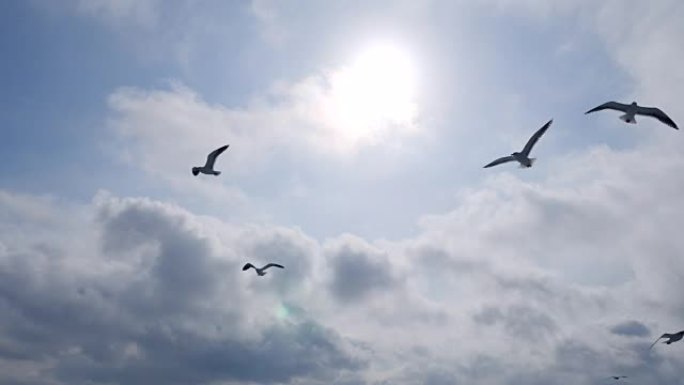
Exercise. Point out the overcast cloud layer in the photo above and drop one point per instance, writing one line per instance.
(405, 262)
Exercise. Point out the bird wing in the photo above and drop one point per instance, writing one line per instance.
(658, 114)
(247, 266)
(272, 265)
(504, 159)
(211, 158)
(659, 338)
(533, 140)
(609, 106)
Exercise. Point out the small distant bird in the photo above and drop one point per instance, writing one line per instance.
(261, 271)
(671, 338)
(208, 167)
(523, 156)
(617, 377)
(633, 109)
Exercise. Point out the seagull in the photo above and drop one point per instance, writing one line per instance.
(261, 271)
(633, 109)
(523, 156)
(208, 167)
(616, 378)
(671, 338)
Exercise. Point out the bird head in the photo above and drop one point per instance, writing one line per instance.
(195, 171)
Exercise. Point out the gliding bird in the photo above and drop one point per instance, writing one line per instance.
(523, 156)
(208, 167)
(633, 109)
(261, 271)
(617, 377)
(671, 338)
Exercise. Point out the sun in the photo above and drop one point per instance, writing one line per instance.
(375, 93)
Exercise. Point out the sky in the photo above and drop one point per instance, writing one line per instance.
(358, 133)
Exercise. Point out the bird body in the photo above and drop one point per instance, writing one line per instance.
(631, 110)
(208, 167)
(523, 157)
(617, 377)
(671, 337)
(261, 271)
(524, 160)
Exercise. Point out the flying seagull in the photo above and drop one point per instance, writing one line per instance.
(617, 377)
(633, 109)
(671, 338)
(208, 167)
(261, 271)
(523, 156)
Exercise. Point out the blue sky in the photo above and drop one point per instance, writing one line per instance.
(362, 175)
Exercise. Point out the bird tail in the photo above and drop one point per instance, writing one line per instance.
(217, 173)
(628, 119)
(531, 163)
(195, 171)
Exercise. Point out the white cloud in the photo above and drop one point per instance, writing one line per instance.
(166, 132)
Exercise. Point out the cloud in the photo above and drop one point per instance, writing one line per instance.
(148, 283)
(358, 270)
(156, 289)
(631, 329)
(520, 321)
(166, 132)
(302, 116)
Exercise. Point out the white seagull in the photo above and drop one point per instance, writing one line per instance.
(523, 157)
(261, 271)
(208, 167)
(633, 109)
(671, 338)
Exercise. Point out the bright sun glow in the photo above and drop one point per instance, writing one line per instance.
(375, 93)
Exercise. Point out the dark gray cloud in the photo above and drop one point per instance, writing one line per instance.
(519, 321)
(151, 305)
(358, 270)
(630, 329)
(278, 356)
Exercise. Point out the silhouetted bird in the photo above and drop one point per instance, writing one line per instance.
(523, 156)
(671, 338)
(633, 109)
(208, 167)
(261, 271)
(617, 377)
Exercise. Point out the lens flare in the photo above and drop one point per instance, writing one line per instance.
(282, 312)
